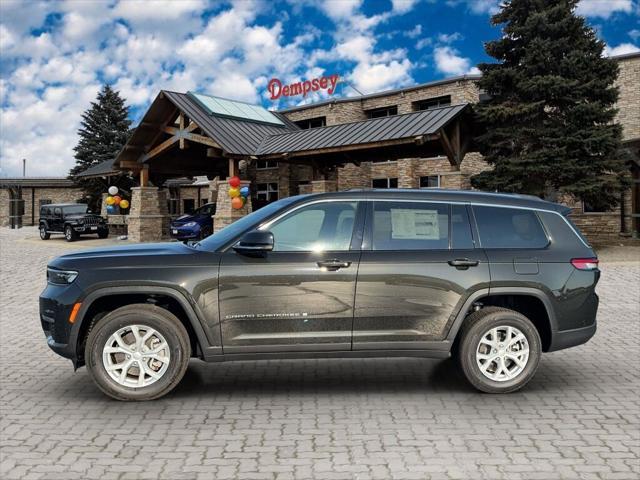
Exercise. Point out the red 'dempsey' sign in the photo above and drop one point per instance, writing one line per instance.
(277, 90)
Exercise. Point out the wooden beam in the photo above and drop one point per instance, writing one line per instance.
(449, 149)
(158, 149)
(144, 176)
(181, 125)
(234, 167)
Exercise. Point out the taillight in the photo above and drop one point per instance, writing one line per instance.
(585, 263)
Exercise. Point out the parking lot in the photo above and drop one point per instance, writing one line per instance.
(324, 419)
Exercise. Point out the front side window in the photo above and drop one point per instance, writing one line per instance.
(509, 228)
(410, 226)
(326, 226)
(80, 209)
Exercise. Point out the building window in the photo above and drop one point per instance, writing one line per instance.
(188, 205)
(589, 208)
(266, 164)
(430, 181)
(382, 112)
(267, 192)
(384, 183)
(312, 123)
(432, 103)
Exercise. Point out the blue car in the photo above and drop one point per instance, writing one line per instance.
(194, 226)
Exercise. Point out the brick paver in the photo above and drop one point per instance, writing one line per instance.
(328, 419)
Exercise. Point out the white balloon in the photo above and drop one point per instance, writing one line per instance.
(113, 190)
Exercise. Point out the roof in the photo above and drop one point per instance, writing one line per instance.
(102, 169)
(43, 182)
(396, 127)
(234, 135)
(385, 93)
(446, 195)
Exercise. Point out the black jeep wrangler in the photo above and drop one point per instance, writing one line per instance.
(70, 219)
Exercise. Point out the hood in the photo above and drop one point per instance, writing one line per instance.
(125, 255)
(78, 216)
(185, 218)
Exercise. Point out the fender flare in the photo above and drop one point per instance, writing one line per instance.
(487, 292)
(192, 316)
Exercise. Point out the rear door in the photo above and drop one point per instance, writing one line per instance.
(300, 296)
(419, 265)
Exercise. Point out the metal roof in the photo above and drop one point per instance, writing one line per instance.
(396, 127)
(235, 136)
(45, 182)
(102, 169)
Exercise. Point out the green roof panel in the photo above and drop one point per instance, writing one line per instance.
(235, 109)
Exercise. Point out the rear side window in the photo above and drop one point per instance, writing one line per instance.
(410, 226)
(509, 228)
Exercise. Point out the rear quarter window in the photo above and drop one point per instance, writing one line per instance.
(500, 227)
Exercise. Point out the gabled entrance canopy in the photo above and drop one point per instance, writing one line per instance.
(194, 134)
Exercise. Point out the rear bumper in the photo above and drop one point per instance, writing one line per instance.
(571, 338)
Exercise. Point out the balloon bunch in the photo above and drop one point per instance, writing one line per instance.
(238, 195)
(114, 200)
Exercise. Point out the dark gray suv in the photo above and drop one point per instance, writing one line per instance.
(492, 279)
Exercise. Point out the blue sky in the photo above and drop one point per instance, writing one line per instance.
(56, 54)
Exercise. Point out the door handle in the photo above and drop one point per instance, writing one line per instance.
(333, 264)
(463, 263)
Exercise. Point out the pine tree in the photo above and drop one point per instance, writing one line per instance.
(103, 132)
(548, 126)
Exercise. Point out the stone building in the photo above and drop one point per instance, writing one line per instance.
(186, 145)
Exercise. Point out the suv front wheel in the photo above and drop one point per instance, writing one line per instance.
(70, 234)
(137, 352)
(499, 350)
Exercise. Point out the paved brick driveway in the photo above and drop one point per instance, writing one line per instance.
(404, 419)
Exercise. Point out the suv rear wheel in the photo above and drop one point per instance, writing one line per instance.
(70, 234)
(137, 352)
(499, 350)
(44, 235)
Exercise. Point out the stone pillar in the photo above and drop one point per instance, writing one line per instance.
(213, 190)
(407, 177)
(305, 188)
(225, 213)
(148, 217)
(103, 205)
(322, 186)
(284, 180)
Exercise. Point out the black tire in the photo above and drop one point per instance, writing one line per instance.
(103, 233)
(475, 327)
(44, 235)
(70, 234)
(160, 320)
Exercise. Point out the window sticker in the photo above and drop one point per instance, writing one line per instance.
(412, 224)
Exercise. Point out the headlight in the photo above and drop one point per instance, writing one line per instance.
(60, 277)
(190, 224)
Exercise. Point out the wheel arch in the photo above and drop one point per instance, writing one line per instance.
(103, 300)
(531, 302)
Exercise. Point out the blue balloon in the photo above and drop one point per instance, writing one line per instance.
(244, 191)
(111, 209)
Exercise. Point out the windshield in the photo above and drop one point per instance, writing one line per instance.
(228, 233)
(79, 209)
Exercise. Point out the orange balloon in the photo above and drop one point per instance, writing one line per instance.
(236, 203)
(117, 199)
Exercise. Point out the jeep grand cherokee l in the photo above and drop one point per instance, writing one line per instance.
(492, 279)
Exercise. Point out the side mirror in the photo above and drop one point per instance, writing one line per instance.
(257, 242)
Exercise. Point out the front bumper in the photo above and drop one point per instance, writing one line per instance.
(56, 303)
(182, 233)
(90, 228)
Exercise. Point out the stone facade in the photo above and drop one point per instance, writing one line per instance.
(33, 196)
(225, 214)
(629, 96)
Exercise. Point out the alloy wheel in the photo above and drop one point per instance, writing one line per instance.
(502, 353)
(136, 356)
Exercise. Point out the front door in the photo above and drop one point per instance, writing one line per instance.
(418, 266)
(300, 296)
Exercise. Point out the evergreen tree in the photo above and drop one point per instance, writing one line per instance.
(548, 126)
(103, 132)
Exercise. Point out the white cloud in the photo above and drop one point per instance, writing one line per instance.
(622, 49)
(449, 37)
(478, 7)
(449, 61)
(603, 8)
(634, 34)
(382, 76)
(339, 9)
(424, 42)
(156, 9)
(403, 6)
(414, 32)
